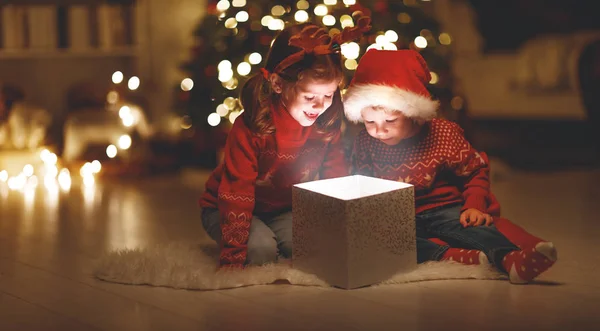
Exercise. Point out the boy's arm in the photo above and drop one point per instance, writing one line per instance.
(236, 194)
(334, 165)
(467, 163)
(361, 157)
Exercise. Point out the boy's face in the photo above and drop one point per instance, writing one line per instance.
(389, 127)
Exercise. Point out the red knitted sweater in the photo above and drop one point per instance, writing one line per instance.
(257, 175)
(438, 161)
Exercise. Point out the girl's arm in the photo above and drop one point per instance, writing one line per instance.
(467, 163)
(334, 165)
(361, 156)
(236, 194)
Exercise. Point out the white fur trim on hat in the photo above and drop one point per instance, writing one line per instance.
(409, 103)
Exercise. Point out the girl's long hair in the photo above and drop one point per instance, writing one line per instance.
(257, 96)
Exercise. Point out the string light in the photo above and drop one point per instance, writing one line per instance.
(420, 42)
(187, 84)
(133, 83)
(117, 77)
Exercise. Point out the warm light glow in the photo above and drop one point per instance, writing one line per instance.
(266, 20)
(328, 20)
(346, 21)
(421, 42)
(233, 116)
(238, 3)
(124, 141)
(112, 97)
(351, 64)
(277, 10)
(301, 16)
(64, 179)
(225, 75)
(242, 16)
(85, 170)
(381, 39)
(276, 24)
(89, 181)
(187, 84)
(230, 103)
(457, 103)
(352, 187)
(321, 10)
(330, 2)
(255, 58)
(48, 157)
(133, 83)
(44, 154)
(28, 170)
(445, 39)
(223, 5)
(349, 2)
(390, 47)
(302, 4)
(117, 77)
(434, 78)
(111, 151)
(96, 166)
(222, 110)
(3, 176)
(51, 171)
(244, 68)
(391, 36)
(32, 182)
(214, 119)
(350, 50)
(224, 65)
(404, 18)
(231, 23)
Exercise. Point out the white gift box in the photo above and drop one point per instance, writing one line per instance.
(354, 231)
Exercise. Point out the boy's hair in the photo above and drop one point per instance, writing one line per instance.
(257, 95)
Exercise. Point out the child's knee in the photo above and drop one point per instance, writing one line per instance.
(261, 250)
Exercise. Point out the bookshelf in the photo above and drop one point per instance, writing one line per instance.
(40, 29)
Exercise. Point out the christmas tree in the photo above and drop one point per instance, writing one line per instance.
(233, 38)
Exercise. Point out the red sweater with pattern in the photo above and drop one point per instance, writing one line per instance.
(441, 164)
(257, 175)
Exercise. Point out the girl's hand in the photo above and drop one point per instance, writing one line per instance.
(473, 217)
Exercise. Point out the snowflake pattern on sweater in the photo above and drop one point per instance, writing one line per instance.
(438, 161)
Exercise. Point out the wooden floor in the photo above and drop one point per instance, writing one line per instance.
(49, 242)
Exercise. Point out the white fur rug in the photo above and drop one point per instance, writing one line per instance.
(193, 266)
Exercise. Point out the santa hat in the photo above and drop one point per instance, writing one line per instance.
(392, 79)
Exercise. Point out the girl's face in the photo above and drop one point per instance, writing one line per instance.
(306, 99)
(389, 127)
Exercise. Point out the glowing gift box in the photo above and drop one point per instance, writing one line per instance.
(354, 231)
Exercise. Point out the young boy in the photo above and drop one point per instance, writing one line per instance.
(403, 141)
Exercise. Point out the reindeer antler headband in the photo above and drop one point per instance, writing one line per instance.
(315, 40)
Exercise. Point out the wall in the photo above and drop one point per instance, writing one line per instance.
(165, 32)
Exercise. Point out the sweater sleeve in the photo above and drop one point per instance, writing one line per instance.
(334, 164)
(468, 164)
(236, 194)
(361, 157)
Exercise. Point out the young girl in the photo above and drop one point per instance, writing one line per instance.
(288, 133)
(404, 141)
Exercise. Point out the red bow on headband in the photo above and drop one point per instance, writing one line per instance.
(316, 40)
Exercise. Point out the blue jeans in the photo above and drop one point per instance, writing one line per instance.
(443, 223)
(270, 235)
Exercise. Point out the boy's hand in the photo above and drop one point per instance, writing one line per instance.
(473, 217)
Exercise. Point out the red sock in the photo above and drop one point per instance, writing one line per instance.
(465, 256)
(524, 265)
(516, 234)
